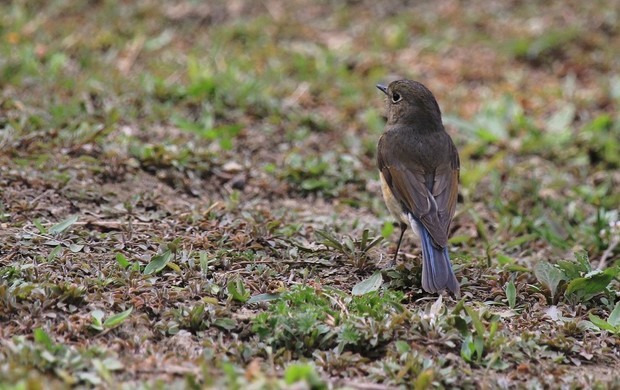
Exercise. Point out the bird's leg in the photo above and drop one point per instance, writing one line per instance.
(403, 228)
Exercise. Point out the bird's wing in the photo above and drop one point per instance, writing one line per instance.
(445, 188)
(430, 197)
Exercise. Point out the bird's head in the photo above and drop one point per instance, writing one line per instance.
(411, 103)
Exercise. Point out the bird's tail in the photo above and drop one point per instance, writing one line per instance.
(437, 273)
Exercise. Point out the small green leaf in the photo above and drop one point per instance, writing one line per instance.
(511, 294)
(48, 356)
(314, 184)
(306, 373)
(467, 348)
(372, 243)
(614, 316)
(475, 320)
(574, 269)
(90, 377)
(492, 330)
(122, 260)
(584, 261)
(225, 323)
(237, 291)
(54, 253)
(64, 225)
(424, 380)
(173, 266)
(41, 337)
(135, 266)
(204, 263)
(387, 230)
(589, 286)
(158, 262)
(116, 319)
(350, 244)
(504, 260)
(461, 325)
(263, 298)
(364, 240)
(587, 325)
(612, 271)
(373, 283)
(516, 268)
(402, 346)
(479, 345)
(329, 240)
(97, 318)
(459, 307)
(75, 248)
(173, 246)
(112, 364)
(37, 223)
(601, 323)
(549, 276)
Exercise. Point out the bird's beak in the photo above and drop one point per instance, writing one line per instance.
(383, 88)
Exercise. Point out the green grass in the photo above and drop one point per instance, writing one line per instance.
(189, 197)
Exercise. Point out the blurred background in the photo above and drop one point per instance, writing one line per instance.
(232, 129)
(276, 99)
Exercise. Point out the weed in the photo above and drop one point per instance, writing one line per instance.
(482, 344)
(90, 366)
(304, 319)
(611, 324)
(355, 250)
(577, 279)
(327, 174)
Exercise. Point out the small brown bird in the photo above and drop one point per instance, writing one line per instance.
(419, 169)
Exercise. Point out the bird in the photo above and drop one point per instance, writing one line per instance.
(419, 171)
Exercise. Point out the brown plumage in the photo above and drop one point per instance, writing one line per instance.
(419, 169)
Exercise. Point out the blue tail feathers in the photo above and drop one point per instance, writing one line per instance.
(437, 273)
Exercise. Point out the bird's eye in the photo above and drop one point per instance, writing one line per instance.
(396, 97)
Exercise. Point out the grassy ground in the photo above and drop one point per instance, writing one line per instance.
(188, 195)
